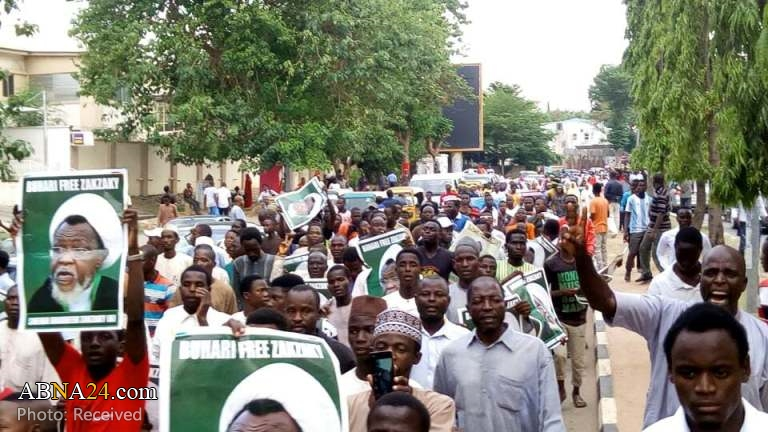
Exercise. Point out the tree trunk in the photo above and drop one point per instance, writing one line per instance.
(701, 204)
(715, 211)
(404, 138)
(715, 222)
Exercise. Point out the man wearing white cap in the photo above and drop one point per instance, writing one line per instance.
(80, 247)
(400, 333)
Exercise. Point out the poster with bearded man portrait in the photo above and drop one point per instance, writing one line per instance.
(72, 251)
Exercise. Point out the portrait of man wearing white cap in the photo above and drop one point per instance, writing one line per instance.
(80, 248)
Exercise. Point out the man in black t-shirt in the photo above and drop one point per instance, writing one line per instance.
(571, 309)
(435, 260)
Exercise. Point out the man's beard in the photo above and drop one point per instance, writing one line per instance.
(78, 297)
(641, 194)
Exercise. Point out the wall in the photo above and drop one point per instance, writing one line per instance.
(58, 148)
(147, 171)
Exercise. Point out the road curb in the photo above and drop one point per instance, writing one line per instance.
(607, 418)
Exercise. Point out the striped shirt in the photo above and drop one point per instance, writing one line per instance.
(157, 293)
(660, 207)
(504, 269)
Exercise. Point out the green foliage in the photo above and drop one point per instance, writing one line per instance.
(512, 127)
(560, 115)
(302, 82)
(12, 113)
(700, 88)
(612, 105)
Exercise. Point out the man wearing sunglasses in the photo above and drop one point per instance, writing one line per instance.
(75, 284)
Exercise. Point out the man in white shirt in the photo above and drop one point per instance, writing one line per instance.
(170, 263)
(210, 199)
(681, 281)
(723, 280)
(339, 306)
(195, 310)
(223, 199)
(362, 321)
(408, 268)
(255, 294)
(666, 248)
(707, 354)
(22, 358)
(237, 212)
(432, 300)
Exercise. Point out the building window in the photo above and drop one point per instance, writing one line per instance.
(586, 137)
(574, 137)
(8, 86)
(59, 88)
(163, 119)
(559, 126)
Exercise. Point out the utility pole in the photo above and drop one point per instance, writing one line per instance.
(45, 130)
(753, 258)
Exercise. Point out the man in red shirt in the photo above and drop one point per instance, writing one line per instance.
(96, 371)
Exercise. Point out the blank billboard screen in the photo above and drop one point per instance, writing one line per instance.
(466, 115)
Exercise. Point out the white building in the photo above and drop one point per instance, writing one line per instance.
(574, 133)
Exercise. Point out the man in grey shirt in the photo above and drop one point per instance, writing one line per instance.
(255, 261)
(723, 280)
(500, 379)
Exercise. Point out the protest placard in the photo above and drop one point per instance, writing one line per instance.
(291, 263)
(72, 250)
(321, 286)
(376, 253)
(301, 206)
(532, 288)
(208, 377)
(489, 245)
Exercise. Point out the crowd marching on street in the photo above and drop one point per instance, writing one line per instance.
(452, 309)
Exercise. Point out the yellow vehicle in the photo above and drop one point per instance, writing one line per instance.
(408, 195)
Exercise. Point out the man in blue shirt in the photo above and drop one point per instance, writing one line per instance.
(392, 179)
(451, 209)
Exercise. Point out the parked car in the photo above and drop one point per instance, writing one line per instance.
(434, 183)
(359, 200)
(219, 227)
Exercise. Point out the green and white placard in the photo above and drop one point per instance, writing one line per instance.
(72, 250)
(208, 376)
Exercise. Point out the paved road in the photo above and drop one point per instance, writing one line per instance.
(630, 362)
(583, 419)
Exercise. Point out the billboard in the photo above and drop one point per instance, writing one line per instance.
(466, 115)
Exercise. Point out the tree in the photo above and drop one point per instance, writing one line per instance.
(560, 115)
(11, 113)
(512, 129)
(301, 82)
(699, 70)
(612, 105)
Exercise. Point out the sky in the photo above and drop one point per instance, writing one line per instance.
(552, 49)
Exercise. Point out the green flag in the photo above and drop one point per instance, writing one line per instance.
(301, 206)
(291, 263)
(208, 376)
(532, 288)
(72, 251)
(377, 252)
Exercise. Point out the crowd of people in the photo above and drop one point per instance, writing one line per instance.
(709, 363)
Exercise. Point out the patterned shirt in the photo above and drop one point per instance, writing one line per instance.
(660, 208)
(504, 269)
(157, 294)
